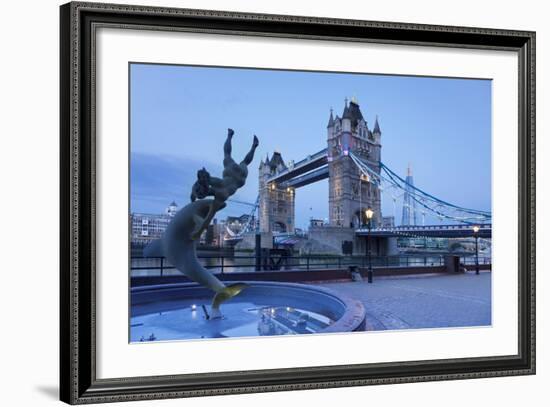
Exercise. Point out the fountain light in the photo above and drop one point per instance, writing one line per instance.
(194, 307)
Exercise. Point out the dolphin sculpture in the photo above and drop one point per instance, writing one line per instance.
(178, 243)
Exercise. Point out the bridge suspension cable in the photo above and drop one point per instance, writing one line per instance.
(421, 192)
(243, 202)
(388, 181)
(248, 226)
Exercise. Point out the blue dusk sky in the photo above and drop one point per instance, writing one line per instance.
(180, 115)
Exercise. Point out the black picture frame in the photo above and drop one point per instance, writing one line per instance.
(78, 382)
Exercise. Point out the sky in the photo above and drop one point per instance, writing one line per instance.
(179, 117)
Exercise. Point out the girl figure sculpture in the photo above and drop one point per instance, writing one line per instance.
(233, 177)
(178, 242)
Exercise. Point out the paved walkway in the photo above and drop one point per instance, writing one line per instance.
(433, 301)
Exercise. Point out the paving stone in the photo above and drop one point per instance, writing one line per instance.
(435, 301)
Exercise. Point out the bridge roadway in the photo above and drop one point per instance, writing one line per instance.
(310, 163)
(448, 231)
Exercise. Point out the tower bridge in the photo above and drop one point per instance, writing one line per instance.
(358, 178)
(350, 189)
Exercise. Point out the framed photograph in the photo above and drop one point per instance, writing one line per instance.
(255, 203)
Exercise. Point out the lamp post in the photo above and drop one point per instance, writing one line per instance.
(369, 213)
(476, 230)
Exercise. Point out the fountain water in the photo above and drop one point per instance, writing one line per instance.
(181, 311)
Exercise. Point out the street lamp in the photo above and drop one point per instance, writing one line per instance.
(476, 230)
(369, 213)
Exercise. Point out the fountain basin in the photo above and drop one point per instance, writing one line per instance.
(180, 311)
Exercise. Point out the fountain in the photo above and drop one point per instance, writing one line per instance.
(180, 311)
(187, 311)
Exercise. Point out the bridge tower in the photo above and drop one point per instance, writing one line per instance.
(351, 192)
(276, 204)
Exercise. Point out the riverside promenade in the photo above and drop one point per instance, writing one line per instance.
(428, 301)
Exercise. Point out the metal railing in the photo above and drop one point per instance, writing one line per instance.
(432, 227)
(471, 260)
(159, 266)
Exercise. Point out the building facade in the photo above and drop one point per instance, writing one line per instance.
(146, 227)
(350, 191)
(408, 217)
(387, 222)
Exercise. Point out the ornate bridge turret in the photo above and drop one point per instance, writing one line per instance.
(350, 192)
(276, 202)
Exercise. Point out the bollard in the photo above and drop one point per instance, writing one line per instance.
(354, 273)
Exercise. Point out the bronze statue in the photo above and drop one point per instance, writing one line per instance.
(179, 239)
